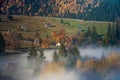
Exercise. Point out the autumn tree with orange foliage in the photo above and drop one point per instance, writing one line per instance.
(58, 36)
(45, 43)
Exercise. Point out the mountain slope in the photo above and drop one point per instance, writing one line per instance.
(107, 10)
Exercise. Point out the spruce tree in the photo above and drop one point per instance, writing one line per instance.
(113, 34)
(2, 43)
(62, 51)
(72, 57)
(33, 52)
(88, 35)
(109, 31)
(94, 35)
(40, 56)
(55, 56)
(117, 34)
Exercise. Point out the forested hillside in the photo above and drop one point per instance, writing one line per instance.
(105, 10)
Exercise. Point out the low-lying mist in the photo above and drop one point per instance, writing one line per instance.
(18, 67)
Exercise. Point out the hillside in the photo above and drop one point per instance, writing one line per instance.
(101, 26)
(100, 10)
(37, 23)
(49, 30)
(34, 24)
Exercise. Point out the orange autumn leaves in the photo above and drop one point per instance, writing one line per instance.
(56, 37)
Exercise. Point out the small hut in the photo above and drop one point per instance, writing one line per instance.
(47, 25)
(23, 27)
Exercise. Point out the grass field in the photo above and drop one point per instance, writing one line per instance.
(34, 24)
(81, 24)
(38, 24)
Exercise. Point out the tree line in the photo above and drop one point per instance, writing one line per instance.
(91, 37)
(106, 11)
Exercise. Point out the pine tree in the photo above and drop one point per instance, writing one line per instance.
(117, 34)
(41, 56)
(33, 52)
(109, 31)
(55, 56)
(2, 43)
(88, 35)
(94, 35)
(62, 51)
(113, 34)
(72, 57)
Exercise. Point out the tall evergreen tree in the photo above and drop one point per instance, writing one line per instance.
(109, 31)
(55, 56)
(117, 34)
(62, 51)
(113, 34)
(2, 43)
(73, 56)
(94, 35)
(109, 34)
(41, 56)
(88, 33)
(33, 52)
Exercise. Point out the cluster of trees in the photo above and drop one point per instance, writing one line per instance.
(54, 38)
(27, 7)
(88, 10)
(72, 60)
(69, 56)
(38, 55)
(58, 36)
(91, 37)
(108, 11)
(113, 34)
(104, 66)
(88, 37)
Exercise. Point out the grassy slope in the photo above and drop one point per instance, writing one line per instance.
(100, 26)
(33, 24)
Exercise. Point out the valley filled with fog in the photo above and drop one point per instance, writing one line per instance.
(18, 67)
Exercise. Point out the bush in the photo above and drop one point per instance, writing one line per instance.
(9, 17)
(2, 43)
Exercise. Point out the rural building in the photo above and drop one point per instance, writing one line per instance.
(47, 25)
(23, 27)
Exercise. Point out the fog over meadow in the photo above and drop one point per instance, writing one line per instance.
(31, 71)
